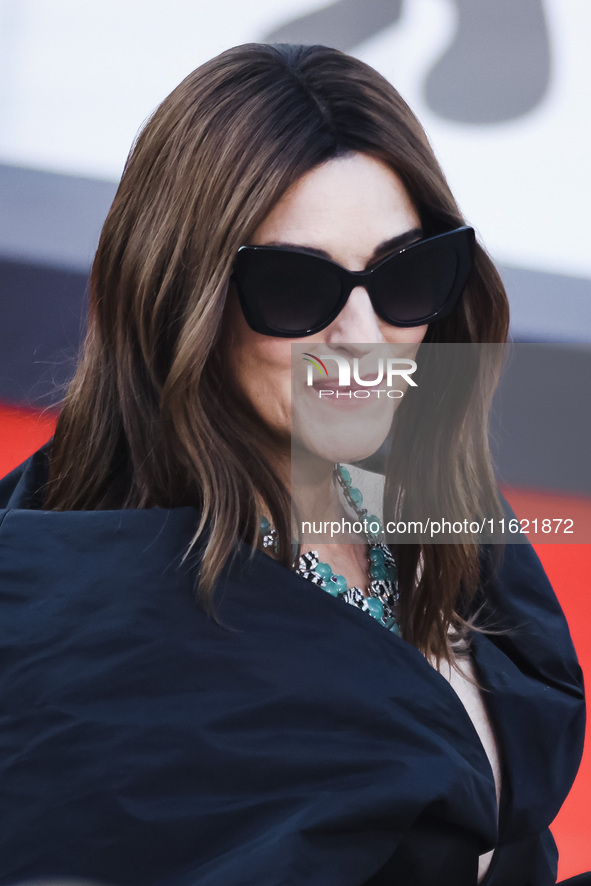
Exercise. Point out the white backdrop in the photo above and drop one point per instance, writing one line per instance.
(77, 78)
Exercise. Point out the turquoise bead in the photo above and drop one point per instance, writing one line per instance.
(375, 607)
(356, 495)
(391, 573)
(323, 570)
(331, 587)
(345, 475)
(340, 583)
(379, 573)
(376, 556)
(265, 525)
(372, 519)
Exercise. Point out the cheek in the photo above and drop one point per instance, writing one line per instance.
(402, 334)
(260, 366)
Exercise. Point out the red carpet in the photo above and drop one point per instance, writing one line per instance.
(568, 567)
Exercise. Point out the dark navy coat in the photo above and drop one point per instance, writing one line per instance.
(296, 742)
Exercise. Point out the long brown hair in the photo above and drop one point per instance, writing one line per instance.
(147, 420)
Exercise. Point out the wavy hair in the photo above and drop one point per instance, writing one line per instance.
(148, 420)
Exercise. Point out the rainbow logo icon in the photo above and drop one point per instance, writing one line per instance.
(317, 363)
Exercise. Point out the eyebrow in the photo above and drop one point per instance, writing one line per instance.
(382, 249)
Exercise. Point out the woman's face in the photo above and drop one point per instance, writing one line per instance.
(346, 209)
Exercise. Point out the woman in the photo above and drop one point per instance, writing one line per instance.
(179, 704)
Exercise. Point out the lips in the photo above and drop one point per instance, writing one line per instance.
(331, 384)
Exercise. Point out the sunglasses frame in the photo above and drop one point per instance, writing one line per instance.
(461, 240)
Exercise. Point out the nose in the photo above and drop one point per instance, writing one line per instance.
(357, 322)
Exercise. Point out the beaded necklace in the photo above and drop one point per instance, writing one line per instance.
(382, 601)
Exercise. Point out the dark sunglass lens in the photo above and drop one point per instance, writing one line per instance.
(291, 292)
(416, 285)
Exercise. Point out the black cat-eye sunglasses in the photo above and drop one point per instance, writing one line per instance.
(290, 293)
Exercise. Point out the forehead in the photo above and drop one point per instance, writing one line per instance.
(345, 207)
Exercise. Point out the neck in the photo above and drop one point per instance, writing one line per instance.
(315, 495)
(308, 478)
